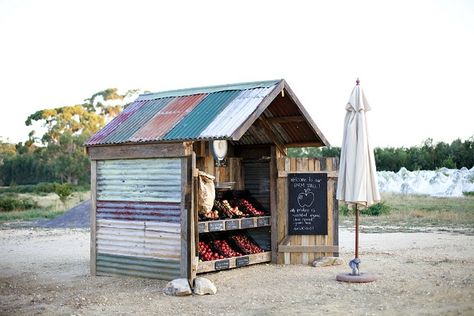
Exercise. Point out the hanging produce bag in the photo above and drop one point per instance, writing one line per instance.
(207, 193)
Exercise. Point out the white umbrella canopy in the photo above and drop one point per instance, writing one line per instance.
(357, 183)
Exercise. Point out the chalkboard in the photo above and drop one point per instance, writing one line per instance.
(216, 226)
(233, 224)
(263, 221)
(221, 265)
(307, 204)
(247, 223)
(242, 261)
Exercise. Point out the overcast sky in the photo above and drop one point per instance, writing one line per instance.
(415, 59)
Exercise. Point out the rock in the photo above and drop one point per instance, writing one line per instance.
(178, 287)
(327, 261)
(203, 286)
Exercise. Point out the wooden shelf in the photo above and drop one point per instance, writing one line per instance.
(235, 262)
(233, 224)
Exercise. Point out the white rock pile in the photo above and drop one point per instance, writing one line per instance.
(442, 182)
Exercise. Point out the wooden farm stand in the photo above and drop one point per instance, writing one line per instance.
(144, 180)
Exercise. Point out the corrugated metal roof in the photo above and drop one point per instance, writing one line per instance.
(129, 126)
(235, 113)
(203, 114)
(201, 90)
(218, 112)
(167, 118)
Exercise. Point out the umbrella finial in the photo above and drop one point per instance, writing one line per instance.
(357, 81)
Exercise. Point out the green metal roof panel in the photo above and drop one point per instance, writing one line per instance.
(210, 89)
(191, 126)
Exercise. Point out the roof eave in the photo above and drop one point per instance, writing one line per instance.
(312, 124)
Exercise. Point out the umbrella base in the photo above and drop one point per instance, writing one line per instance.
(361, 278)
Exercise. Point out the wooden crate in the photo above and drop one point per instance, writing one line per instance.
(235, 262)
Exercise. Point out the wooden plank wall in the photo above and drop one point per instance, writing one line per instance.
(304, 249)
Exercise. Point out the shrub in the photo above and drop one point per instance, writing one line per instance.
(377, 209)
(11, 203)
(63, 191)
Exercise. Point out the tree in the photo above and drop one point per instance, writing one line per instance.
(74, 120)
(6, 150)
(60, 149)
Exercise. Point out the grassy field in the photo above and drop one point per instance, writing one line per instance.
(420, 213)
(49, 206)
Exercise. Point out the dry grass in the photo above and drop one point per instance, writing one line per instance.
(52, 201)
(420, 213)
(49, 206)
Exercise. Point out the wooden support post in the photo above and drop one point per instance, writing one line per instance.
(93, 210)
(273, 204)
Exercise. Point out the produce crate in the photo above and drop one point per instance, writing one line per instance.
(235, 262)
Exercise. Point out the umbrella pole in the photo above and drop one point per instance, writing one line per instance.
(357, 232)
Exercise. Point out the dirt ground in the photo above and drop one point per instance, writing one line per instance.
(46, 271)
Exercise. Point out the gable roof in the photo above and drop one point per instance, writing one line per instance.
(215, 112)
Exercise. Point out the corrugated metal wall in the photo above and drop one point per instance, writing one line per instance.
(138, 217)
(257, 181)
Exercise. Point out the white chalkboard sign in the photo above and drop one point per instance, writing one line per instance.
(307, 204)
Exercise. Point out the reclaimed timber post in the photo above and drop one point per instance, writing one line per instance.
(273, 203)
(335, 205)
(187, 222)
(93, 247)
(193, 216)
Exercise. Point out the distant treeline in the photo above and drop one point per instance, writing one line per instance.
(429, 156)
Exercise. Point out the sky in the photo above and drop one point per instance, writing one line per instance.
(415, 59)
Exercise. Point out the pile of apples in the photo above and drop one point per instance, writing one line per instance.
(225, 208)
(246, 245)
(213, 214)
(224, 248)
(233, 210)
(249, 208)
(206, 253)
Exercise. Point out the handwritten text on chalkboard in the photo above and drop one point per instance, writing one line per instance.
(307, 204)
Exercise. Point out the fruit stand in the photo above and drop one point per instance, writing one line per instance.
(151, 214)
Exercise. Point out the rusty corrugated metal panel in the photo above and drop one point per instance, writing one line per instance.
(137, 267)
(138, 248)
(139, 238)
(145, 180)
(127, 128)
(204, 113)
(138, 227)
(112, 125)
(143, 211)
(167, 118)
(148, 120)
(236, 113)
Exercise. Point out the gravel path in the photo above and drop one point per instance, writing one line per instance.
(46, 271)
(76, 217)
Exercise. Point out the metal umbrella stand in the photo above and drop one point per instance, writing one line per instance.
(357, 182)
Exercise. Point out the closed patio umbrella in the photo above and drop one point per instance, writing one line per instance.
(357, 182)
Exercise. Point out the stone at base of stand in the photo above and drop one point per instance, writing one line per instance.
(361, 278)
